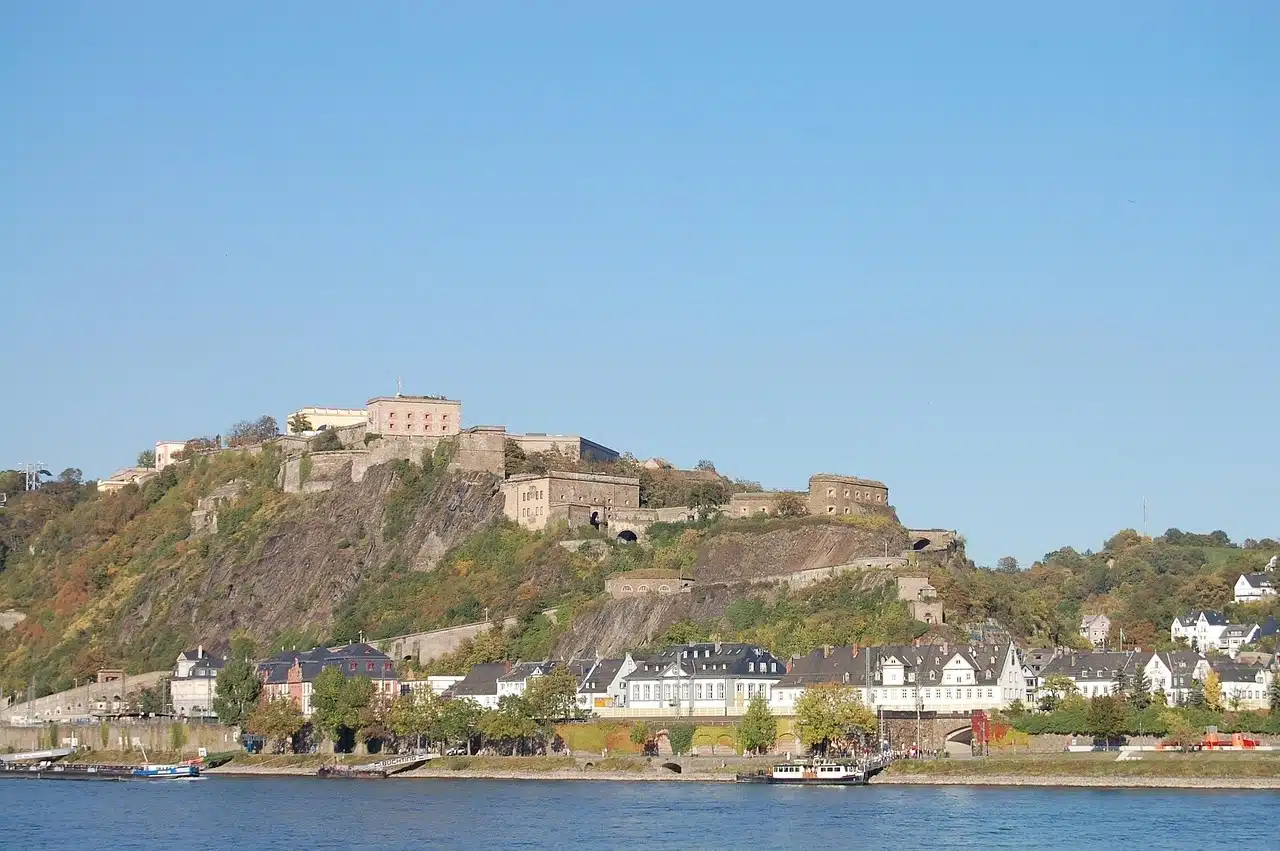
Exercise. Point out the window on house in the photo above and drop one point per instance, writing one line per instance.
(353, 666)
(720, 691)
(831, 491)
(846, 493)
(831, 509)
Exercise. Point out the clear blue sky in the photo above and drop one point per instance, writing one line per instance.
(840, 237)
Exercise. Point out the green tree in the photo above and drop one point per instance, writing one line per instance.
(759, 729)
(831, 715)
(1181, 733)
(1106, 717)
(641, 735)
(1056, 688)
(510, 726)
(457, 723)
(1007, 564)
(236, 691)
(1273, 695)
(1195, 695)
(337, 702)
(414, 716)
(1120, 684)
(554, 697)
(680, 737)
(298, 423)
(1140, 691)
(147, 459)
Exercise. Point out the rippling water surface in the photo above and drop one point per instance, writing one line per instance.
(402, 814)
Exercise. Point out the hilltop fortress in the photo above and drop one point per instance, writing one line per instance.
(331, 446)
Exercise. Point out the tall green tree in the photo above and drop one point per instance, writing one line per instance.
(457, 723)
(1140, 691)
(758, 729)
(511, 726)
(554, 697)
(147, 459)
(831, 716)
(1106, 717)
(680, 737)
(1273, 695)
(236, 691)
(337, 702)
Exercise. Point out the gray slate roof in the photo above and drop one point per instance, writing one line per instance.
(1257, 580)
(1211, 618)
(354, 660)
(853, 665)
(480, 680)
(721, 660)
(1235, 672)
(596, 680)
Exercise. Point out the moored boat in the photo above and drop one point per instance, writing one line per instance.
(817, 772)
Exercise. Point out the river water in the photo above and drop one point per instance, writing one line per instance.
(231, 813)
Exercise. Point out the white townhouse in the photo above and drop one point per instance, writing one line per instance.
(1173, 671)
(604, 684)
(1237, 635)
(1095, 673)
(710, 678)
(1200, 629)
(930, 677)
(1244, 686)
(1252, 587)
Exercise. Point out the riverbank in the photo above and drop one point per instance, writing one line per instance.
(1105, 770)
(890, 779)
(498, 768)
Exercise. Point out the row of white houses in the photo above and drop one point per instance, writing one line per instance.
(721, 679)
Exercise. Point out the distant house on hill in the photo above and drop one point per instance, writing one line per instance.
(1252, 587)
(1095, 628)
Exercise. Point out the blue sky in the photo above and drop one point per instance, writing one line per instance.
(838, 237)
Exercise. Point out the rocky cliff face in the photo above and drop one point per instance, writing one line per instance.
(743, 553)
(308, 557)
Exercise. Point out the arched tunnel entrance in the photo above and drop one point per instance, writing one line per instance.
(626, 536)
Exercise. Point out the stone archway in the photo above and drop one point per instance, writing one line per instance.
(921, 544)
(626, 536)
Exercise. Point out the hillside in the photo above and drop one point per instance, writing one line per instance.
(1140, 583)
(127, 579)
(90, 581)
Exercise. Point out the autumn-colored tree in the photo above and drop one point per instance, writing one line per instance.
(790, 504)
(277, 720)
(1213, 691)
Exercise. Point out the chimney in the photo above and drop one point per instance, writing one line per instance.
(944, 648)
(826, 651)
(855, 651)
(199, 651)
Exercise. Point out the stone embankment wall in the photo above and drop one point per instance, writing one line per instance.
(425, 646)
(77, 702)
(154, 735)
